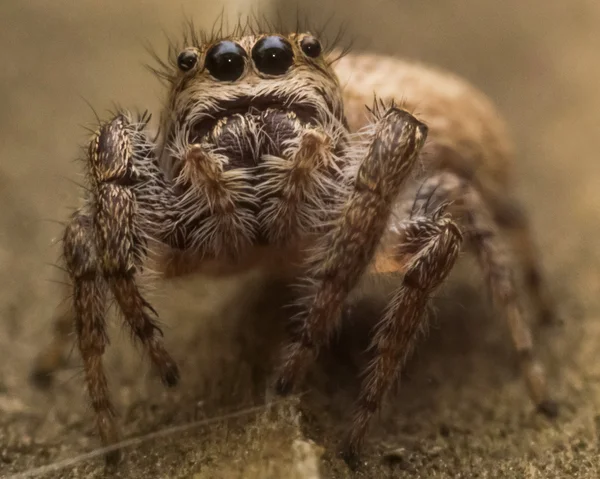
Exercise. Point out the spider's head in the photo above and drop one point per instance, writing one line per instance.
(246, 96)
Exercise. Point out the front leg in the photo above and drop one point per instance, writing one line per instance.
(104, 246)
(348, 248)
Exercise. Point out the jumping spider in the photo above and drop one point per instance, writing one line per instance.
(264, 160)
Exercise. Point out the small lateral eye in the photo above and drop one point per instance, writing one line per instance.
(311, 46)
(273, 55)
(187, 60)
(226, 61)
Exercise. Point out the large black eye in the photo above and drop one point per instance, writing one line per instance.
(272, 55)
(187, 60)
(226, 61)
(311, 47)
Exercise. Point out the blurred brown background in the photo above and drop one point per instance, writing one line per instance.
(463, 410)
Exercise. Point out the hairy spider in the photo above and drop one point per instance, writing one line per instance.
(265, 160)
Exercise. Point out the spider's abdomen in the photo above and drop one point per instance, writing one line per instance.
(466, 133)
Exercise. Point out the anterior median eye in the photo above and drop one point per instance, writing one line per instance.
(273, 55)
(226, 61)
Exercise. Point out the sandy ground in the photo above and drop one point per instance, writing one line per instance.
(462, 410)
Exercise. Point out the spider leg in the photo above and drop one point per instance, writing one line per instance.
(510, 215)
(427, 251)
(54, 356)
(89, 301)
(349, 246)
(497, 263)
(104, 247)
(117, 157)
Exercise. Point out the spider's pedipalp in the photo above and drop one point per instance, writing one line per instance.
(348, 248)
(296, 189)
(217, 206)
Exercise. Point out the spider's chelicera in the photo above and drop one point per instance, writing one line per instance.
(256, 166)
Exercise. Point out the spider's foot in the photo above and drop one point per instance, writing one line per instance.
(110, 437)
(549, 408)
(283, 387)
(351, 457)
(297, 359)
(40, 378)
(112, 459)
(169, 373)
(46, 364)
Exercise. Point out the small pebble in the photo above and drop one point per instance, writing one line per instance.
(395, 455)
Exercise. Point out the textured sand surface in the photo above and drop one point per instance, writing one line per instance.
(462, 409)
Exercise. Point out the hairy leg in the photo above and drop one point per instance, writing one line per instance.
(103, 250)
(510, 216)
(348, 248)
(119, 246)
(89, 307)
(497, 263)
(54, 356)
(294, 186)
(426, 252)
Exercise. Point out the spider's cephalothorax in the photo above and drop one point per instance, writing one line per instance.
(254, 130)
(258, 165)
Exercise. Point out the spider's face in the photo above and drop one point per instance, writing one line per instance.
(250, 96)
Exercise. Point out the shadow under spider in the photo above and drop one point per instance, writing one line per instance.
(465, 348)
